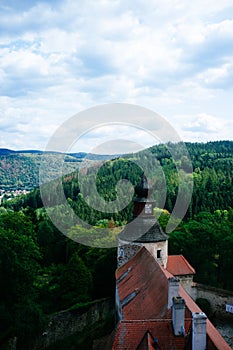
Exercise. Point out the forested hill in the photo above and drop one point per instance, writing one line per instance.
(19, 170)
(201, 154)
(211, 169)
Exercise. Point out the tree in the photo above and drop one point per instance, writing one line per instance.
(207, 242)
(76, 282)
(19, 268)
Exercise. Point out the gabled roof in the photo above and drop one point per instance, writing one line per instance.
(142, 285)
(147, 342)
(177, 265)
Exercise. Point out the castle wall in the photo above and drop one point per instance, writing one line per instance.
(67, 323)
(127, 251)
(218, 298)
(153, 248)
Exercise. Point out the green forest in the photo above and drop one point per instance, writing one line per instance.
(40, 266)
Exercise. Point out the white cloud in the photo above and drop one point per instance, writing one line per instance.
(218, 77)
(204, 127)
(203, 123)
(23, 62)
(58, 58)
(112, 139)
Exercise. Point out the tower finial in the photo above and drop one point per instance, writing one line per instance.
(143, 189)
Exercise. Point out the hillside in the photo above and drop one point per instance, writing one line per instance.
(211, 170)
(20, 169)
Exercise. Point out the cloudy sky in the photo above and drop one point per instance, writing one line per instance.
(60, 57)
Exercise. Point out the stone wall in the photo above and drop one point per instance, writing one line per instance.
(218, 298)
(126, 251)
(67, 323)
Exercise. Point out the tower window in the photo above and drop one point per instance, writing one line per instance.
(159, 254)
(148, 208)
(121, 253)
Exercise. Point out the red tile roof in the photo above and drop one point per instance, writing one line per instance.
(177, 265)
(130, 335)
(148, 283)
(143, 292)
(147, 342)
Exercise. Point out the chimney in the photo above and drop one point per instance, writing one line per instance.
(173, 288)
(178, 308)
(199, 331)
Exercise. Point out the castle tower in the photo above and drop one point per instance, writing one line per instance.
(143, 230)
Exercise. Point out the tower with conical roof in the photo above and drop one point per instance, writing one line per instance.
(143, 229)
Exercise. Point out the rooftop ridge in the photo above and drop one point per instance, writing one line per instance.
(152, 320)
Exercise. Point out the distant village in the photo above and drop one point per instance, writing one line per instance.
(10, 194)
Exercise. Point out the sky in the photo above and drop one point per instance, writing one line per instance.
(60, 57)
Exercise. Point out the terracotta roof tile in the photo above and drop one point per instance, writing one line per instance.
(148, 283)
(147, 342)
(130, 335)
(142, 282)
(178, 265)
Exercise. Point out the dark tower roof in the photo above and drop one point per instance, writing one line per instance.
(143, 228)
(143, 189)
(143, 231)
